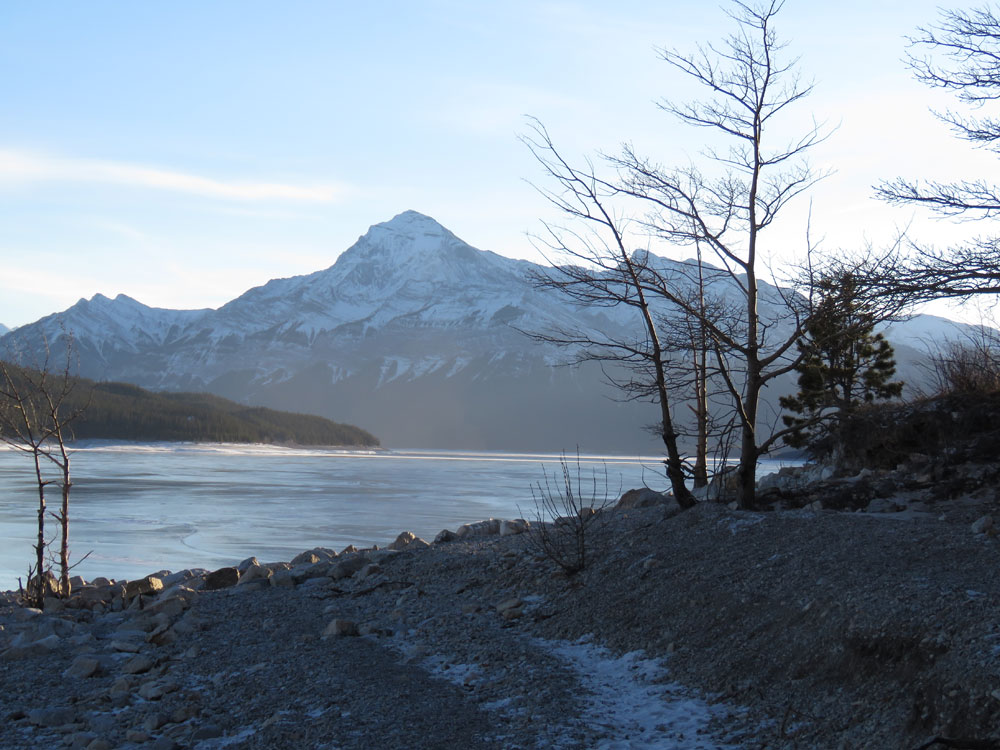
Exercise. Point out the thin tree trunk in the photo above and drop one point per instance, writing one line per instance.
(36, 592)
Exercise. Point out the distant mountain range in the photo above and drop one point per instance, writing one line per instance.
(3, 329)
(411, 334)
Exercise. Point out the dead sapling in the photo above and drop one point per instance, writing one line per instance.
(569, 510)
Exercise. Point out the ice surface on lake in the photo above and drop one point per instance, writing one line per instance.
(139, 508)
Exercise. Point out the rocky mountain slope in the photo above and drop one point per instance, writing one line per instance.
(411, 334)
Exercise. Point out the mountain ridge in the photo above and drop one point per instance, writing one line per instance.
(410, 333)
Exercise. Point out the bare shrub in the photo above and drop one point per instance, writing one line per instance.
(968, 366)
(568, 509)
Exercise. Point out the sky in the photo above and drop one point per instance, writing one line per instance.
(183, 152)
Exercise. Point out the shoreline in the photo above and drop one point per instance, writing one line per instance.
(816, 628)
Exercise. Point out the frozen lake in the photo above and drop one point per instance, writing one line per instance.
(139, 508)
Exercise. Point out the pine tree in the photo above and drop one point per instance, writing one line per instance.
(844, 365)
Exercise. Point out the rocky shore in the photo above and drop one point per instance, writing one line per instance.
(852, 613)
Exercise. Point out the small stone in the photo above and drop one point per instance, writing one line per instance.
(82, 667)
(139, 664)
(222, 578)
(306, 558)
(154, 690)
(506, 604)
(147, 585)
(136, 735)
(51, 717)
(514, 526)
(126, 646)
(341, 628)
(206, 732)
(445, 536)
(154, 722)
(250, 562)
(983, 525)
(99, 744)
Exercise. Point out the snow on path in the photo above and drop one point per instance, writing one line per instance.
(629, 698)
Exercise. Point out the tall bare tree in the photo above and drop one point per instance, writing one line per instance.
(36, 412)
(595, 267)
(724, 208)
(960, 54)
(749, 86)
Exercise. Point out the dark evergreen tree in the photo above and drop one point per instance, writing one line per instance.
(844, 365)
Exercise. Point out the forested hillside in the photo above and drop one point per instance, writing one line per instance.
(119, 411)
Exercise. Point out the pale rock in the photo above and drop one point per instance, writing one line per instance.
(349, 549)
(250, 562)
(283, 579)
(513, 526)
(52, 604)
(254, 572)
(445, 536)
(370, 570)
(403, 540)
(147, 585)
(82, 667)
(512, 603)
(181, 576)
(162, 637)
(139, 664)
(489, 527)
(100, 581)
(172, 607)
(306, 558)
(189, 623)
(154, 690)
(983, 525)
(127, 646)
(643, 497)
(52, 717)
(341, 628)
(347, 567)
(154, 721)
(76, 582)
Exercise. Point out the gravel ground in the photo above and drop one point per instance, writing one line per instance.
(782, 629)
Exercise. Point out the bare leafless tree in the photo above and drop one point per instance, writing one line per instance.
(749, 87)
(959, 54)
(724, 210)
(593, 265)
(36, 413)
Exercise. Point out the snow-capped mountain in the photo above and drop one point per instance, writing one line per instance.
(411, 334)
(3, 329)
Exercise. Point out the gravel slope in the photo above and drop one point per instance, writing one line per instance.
(786, 629)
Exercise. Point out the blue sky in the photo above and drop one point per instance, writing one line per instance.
(183, 152)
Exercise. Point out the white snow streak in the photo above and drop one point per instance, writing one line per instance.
(630, 700)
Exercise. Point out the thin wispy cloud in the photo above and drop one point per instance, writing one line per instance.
(21, 167)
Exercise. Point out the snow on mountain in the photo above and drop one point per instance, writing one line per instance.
(411, 334)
